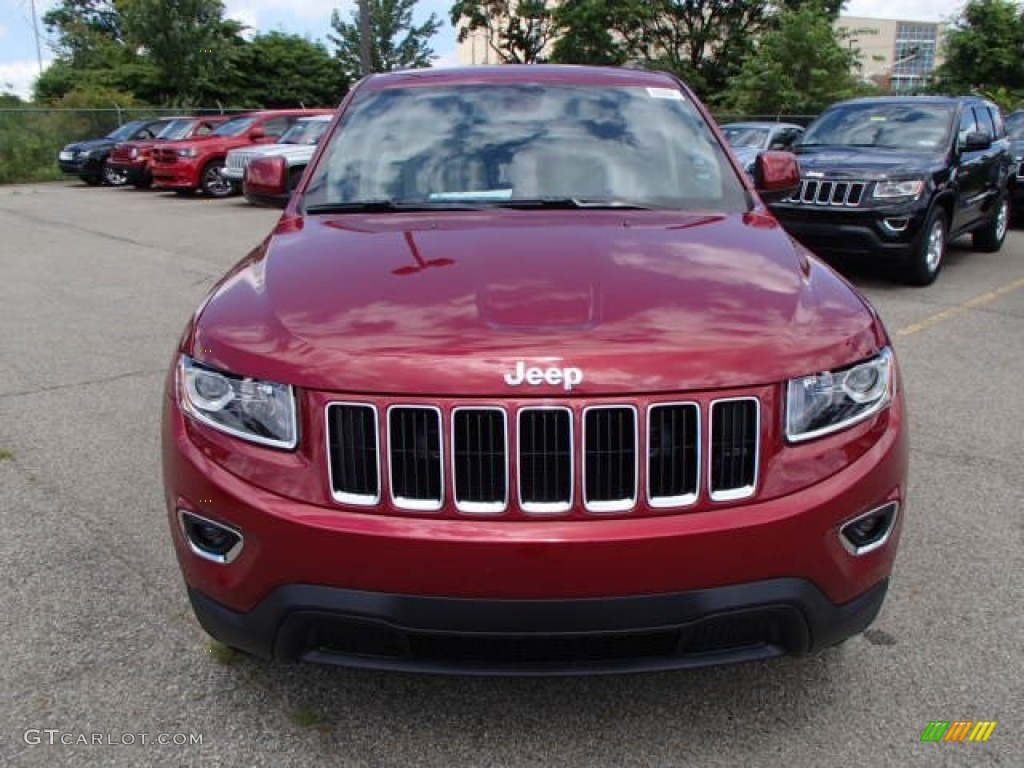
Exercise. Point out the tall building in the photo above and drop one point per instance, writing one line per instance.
(896, 54)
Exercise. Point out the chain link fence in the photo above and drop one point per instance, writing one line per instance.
(31, 137)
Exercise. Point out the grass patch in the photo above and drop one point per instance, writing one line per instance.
(6, 455)
(307, 718)
(225, 654)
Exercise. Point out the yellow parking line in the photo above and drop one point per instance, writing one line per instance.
(959, 309)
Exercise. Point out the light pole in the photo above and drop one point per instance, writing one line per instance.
(365, 38)
(35, 32)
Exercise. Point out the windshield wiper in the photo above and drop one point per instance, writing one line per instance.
(569, 203)
(387, 206)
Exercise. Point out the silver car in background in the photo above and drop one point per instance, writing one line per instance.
(748, 140)
(296, 146)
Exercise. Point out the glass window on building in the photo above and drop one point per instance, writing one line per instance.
(913, 56)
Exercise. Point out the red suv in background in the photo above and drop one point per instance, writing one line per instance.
(132, 158)
(186, 166)
(528, 379)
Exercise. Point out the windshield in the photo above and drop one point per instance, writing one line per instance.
(126, 131)
(496, 144)
(176, 129)
(305, 132)
(236, 126)
(899, 125)
(745, 135)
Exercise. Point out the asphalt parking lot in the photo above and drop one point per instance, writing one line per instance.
(95, 287)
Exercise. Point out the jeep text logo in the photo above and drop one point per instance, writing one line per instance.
(567, 377)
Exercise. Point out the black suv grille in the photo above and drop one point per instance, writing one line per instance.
(830, 192)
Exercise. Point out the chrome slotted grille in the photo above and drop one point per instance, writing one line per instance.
(354, 447)
(239, 160)
(545, 459)
(415, 453)
(735, 429)
(529, 454)
(609, 458)
(830, 192)
(480, 459)
(673, 454)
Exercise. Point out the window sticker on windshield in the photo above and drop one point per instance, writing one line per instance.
(665, 93)
(877, 118)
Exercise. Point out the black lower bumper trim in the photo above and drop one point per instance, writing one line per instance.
(540, 637)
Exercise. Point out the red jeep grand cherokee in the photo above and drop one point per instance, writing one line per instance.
(528, 380)
(195, 163)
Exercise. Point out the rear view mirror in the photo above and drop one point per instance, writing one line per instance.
(266, 176)
(776, 175)
(975, 141)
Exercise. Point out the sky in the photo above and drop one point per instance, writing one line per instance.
(311, 18)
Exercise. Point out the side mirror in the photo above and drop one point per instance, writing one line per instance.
(975, 141)
(266, 177)
(257, 133)
(776, 175)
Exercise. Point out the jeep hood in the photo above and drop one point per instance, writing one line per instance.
(864, 162)
(429, 304)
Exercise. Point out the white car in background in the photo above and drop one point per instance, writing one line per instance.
(296, 146)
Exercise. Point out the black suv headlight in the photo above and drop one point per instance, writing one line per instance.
(254, 410)
(826, 402)
(905, 189)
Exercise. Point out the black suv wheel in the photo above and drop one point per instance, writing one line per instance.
(989, 238)
(926, 259)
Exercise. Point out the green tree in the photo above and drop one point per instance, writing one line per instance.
(278, 70)
(397, 43)
(703, 41)
(86, 33)
(597, 32)
(984, 49)
(798, 68)
(518, 31)
(190, 42)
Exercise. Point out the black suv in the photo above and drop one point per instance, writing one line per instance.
(898, 177)
(88, 159)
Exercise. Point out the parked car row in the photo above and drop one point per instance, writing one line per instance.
(897, 178)
(892, 178)
(199, 153)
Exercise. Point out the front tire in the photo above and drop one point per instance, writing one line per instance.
(929, 252)
(112, 176)
(989, 238)
(212, 183)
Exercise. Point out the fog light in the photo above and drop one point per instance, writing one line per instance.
(896, 226)
(869, 531)
(208, 539)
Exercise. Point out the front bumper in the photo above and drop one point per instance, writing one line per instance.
(644, 633)
(76, 167)
(854, 232)
(305, 571)
(136, 173)
(182, 174)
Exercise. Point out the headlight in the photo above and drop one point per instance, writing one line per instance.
(895, 189)
(190, 152)
(826, 402)
(258, 411)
